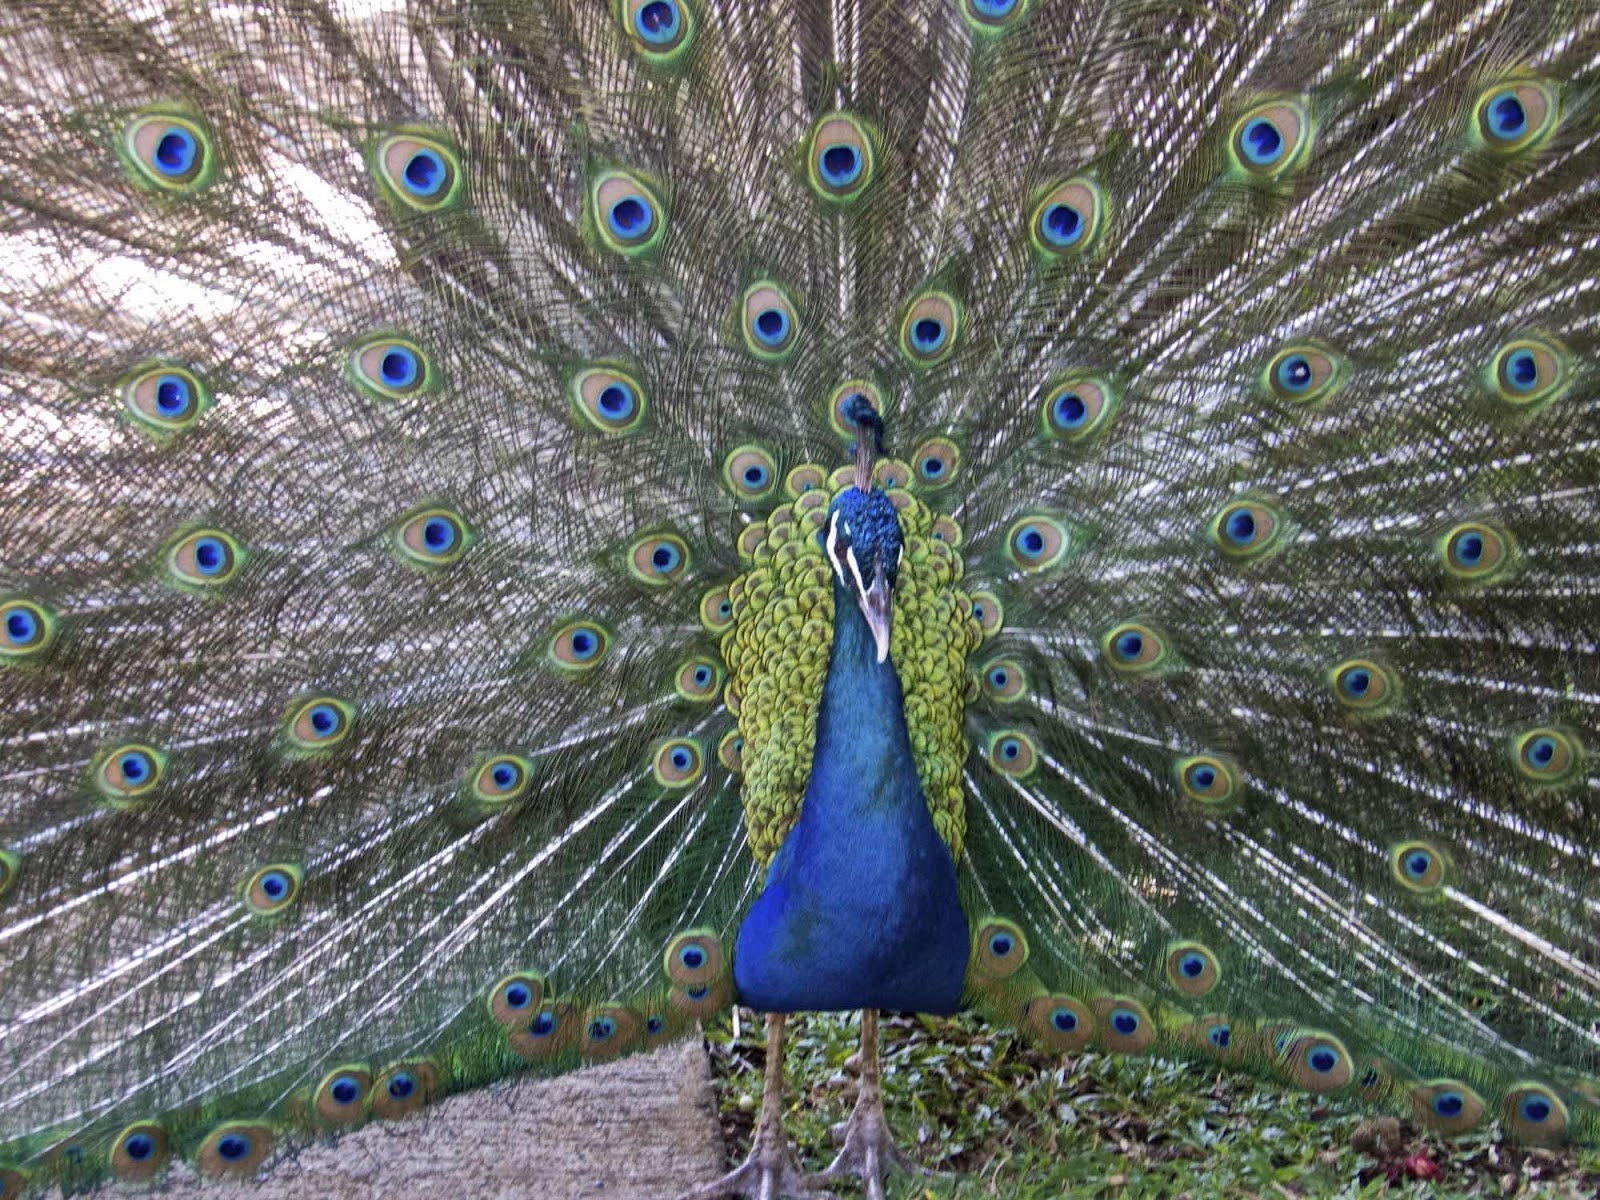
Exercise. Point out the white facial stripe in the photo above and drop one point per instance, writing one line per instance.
(855, 569)
(833, 541)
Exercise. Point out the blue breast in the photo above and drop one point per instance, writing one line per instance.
(860, 907)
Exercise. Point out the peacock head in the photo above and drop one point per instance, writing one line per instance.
(864, 544)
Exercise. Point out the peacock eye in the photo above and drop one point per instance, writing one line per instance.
(203, 559)
(1272, 139)
(164, 399)
(1037, 542)
(1133, 648)
(991, 16)
(627, 212)
(1068, 219)
(1192, 968)
(129, 772)
(1207, 779)
(169, 152)
(435, 537)
(678, 763)
(272, 889)
(936, 461)
(501, 779)
(579, 645)
(1475, 551)
(390, 368)
(1546, 755)
(698, 680)
(1304, 374)
(659, 560)
(1246, 529)
(1528, 373)
(26, 628)
(750, 472)
(608, 400)
(929, 329)
(1516, 116)
(771, 323)
(840, 159)
(1417, 866)
(1012, 752)
(320, 723)
(1076, 407)
(418, 172)
(659, 29)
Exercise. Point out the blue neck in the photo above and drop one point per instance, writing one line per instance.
(860, 908)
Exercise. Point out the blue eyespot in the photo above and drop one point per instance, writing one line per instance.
(1069, 411)
(1536, 1109)
(438, 534)
(544, 1024)
(631, 217)
(977, 612)
(702, 675)
(22, 627)
(658, 22)
(1125, 1022)
(602, 1029)
(1261, 142)
(772, 326)
(1063, 225)
(756, 476)
(425, 173)
(841, 165)
(692, 957)
(1202, 777)
(993, 8)
(1322, 1060)
(174, 396)
(402, 1084)
(927, 335)
(136, 767)
(1506, 118)
(1129, 646)
(1370, 1079)
(345, 1090)
(210, 555)
(519, 995)
(1240, 526)
(324, 719)
(1220, 1036)
(664, 558)
(698, 993)
(1522, 371)
(399, 367)
(682, 759)
(1449, 1104)
(1294, 373)
(176, 152)
(1356, 682)
(1030, 541)
(1010, 748)
(654, 1025)
(1193, 965)
(234, 1146)
(1001, 945)
(999, 677)
(1541, 750)
(505, 777)
(275, 885)
(1469, 548)
(1417, 863)
(139, 1146)
(1064, 1019)
(617, 401)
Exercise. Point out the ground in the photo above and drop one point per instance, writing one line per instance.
(1006, 1120)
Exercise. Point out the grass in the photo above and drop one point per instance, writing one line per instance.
(1003, 1119)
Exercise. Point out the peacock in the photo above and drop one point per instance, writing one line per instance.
(527, 523)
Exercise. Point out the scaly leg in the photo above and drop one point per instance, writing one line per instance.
(771, 1171)
(869, 1149)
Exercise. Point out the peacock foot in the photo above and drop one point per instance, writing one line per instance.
(770, 1173)
(866, 1146)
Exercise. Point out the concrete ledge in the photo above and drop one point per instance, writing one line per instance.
(643, 1128)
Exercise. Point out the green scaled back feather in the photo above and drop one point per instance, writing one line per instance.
(388, 400)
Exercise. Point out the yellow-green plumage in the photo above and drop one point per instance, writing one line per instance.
(777, 652)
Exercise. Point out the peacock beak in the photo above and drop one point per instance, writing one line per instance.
(877, 606)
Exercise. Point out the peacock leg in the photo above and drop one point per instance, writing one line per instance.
(770, 1172)
(869, 1150)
